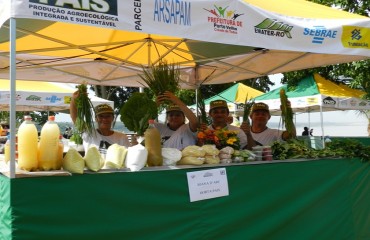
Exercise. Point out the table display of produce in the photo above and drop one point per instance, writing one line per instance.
(300, 199)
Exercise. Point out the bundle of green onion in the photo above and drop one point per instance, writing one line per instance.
(287, 114)
(85, 112)
(162, 77)
(247, 109)
(202, 107)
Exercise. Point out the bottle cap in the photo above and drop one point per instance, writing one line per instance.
(51, 118)
(151, 121)
(27, 117)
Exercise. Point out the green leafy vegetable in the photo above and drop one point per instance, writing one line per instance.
(85, 112)
(136, 112)
(247, 109)
(162, 77)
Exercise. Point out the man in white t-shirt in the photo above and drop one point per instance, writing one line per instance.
(104, 136)
(175, 133)
(219, 112)
(262, 135)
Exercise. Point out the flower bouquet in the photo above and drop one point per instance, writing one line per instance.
(220, 137)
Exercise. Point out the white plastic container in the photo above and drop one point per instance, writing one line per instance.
(27, 145)
(48, 151)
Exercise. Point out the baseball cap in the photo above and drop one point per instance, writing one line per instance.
(172, 108)
(260, 106)
(218, 104)
(103, 108)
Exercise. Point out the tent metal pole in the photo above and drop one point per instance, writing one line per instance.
(322, 127)
(12, 76)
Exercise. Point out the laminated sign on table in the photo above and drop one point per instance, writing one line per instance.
(207, 184)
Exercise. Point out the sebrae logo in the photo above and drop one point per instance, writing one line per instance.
(99, 6)
(319, 34)
(224, 19)
(53, 99)
(271, 27)
(356, 37)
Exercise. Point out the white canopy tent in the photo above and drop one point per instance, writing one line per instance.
(42, 96)
(66, 44)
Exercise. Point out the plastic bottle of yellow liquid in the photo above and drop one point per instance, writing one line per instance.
(7, 151)
(27, 145)
(60, 152)
(49, 145)
(153, 145)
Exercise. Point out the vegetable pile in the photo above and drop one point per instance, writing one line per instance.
(293, 149)
(136, 112)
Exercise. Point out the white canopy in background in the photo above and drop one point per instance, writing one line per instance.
(42, 96)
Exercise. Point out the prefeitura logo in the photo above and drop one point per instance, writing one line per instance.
(224, 19)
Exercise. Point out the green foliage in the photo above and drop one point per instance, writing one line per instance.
(293, 149)
(162, 77)
(136, 112)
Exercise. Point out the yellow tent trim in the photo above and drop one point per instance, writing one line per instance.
(307, 9)
(329, 88)
(245, 91)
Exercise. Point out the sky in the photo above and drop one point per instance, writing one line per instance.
(336, 123)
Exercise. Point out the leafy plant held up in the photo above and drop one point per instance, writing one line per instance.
(162, 77)
(85, 112)
(136, 112)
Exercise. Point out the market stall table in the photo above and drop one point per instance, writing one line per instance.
(293, 199)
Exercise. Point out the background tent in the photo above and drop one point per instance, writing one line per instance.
(41, 96)
(235, 96)
(254, 38)
(315, 93)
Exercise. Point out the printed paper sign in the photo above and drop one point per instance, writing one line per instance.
(207, 184)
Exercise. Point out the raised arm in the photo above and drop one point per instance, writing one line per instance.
(193, 121)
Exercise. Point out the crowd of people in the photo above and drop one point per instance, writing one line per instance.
(181, 125)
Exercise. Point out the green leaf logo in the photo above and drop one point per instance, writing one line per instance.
(274, 25)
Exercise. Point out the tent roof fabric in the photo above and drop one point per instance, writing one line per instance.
(313, 85)
(238, 93)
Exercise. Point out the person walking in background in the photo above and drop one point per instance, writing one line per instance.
(311, 132)
(305, 132)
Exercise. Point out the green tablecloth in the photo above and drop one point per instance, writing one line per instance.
(319, 199)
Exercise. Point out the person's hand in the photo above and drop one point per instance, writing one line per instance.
(168, 96)
(245, 127)
(203, 127)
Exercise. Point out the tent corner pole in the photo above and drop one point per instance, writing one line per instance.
(12, 76)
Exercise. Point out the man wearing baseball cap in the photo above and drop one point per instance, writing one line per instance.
(219, 112)
(105, 135)
(175, 133)
(262, 135)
